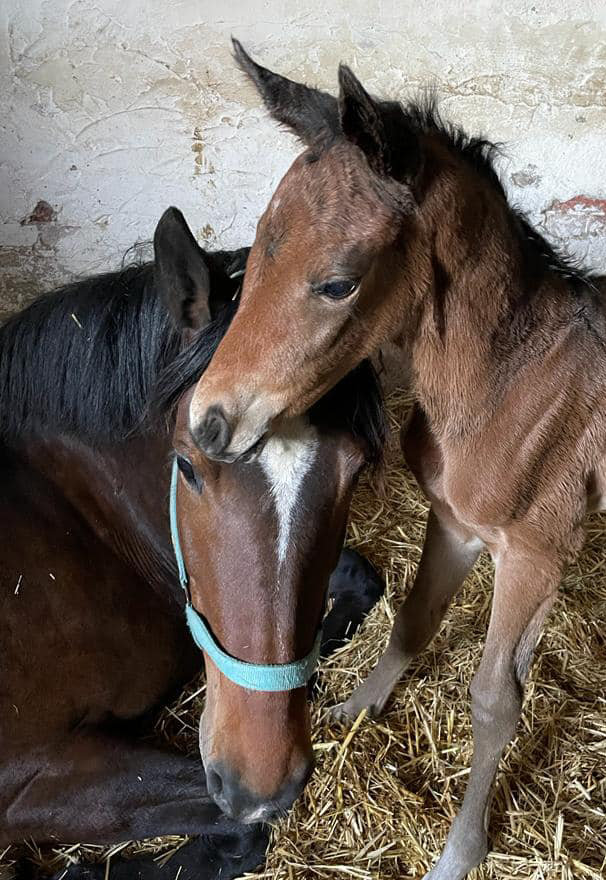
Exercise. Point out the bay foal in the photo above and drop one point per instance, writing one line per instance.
(393, 225)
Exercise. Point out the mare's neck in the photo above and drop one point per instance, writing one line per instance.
(122, 492)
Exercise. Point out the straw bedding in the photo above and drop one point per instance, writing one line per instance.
(384, 793)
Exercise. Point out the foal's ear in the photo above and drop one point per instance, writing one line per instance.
(310, 113)
(181, 271)
(361, 121)
(379, 128)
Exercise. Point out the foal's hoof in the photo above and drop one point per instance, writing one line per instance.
(347, 713)
(340, 713)
(458, 859)
(362, 699)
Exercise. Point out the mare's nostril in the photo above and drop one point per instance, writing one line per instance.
(238, 801)
(214, 782)
(213, 433)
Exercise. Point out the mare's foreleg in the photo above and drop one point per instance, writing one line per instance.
(102, 789)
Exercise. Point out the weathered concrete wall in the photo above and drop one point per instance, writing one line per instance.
(113, 109)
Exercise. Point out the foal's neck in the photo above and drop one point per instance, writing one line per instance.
(478, 325)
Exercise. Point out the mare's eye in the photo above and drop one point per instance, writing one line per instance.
(339, 289)
(189, 473)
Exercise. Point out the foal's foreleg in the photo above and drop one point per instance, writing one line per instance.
(449, 552)
(525, 589)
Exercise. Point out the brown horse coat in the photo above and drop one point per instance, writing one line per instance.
(92, 631)
(393, 225)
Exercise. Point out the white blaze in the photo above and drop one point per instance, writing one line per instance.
(286, 459)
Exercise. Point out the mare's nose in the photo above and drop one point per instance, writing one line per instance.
(238, 802)
(213, 433)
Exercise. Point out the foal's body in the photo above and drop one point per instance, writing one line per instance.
(404, 232)
(511, 464)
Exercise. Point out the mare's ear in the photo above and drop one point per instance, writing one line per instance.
(379, 128)
(310, 113)
(228, 264)
(181, 271)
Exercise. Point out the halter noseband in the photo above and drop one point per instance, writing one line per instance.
(253, 676)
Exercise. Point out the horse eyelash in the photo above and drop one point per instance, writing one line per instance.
(189, 474)
(323, 287)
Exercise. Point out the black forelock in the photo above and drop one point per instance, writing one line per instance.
(186, 368)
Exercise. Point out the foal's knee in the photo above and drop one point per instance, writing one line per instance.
(524, 651)
(496, 703)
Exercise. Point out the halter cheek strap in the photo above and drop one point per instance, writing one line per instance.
(253, 676)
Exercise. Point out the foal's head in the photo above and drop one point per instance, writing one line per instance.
(345, 251)
(260, 536)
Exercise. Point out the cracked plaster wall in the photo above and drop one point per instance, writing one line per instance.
(111, 110)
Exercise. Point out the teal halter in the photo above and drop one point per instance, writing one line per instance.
(253, 676)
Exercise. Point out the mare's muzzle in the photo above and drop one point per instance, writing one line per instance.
(238, 802)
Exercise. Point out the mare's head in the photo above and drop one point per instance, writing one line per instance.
(260, 535)
(343, 256)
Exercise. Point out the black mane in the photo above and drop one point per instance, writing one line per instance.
(422, 116)
(102, 360)
(84, 358)
(481, 154)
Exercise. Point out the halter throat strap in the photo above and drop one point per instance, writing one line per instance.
(272, 677)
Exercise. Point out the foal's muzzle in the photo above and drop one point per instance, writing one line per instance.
(230, 426)
(213, 434)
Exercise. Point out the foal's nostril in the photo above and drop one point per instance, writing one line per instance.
(213, 433)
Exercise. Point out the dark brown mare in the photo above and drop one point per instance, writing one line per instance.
(92, 631)
(392, 225)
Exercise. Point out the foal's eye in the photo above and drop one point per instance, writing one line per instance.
(338, 289)
(189, 473)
